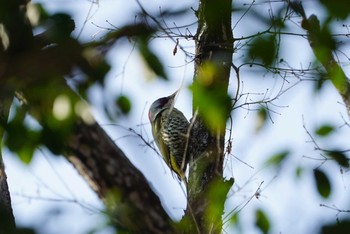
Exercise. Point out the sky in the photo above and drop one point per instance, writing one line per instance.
(50, 191)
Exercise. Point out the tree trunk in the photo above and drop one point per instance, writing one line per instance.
(7, 220)
(214, 45)
(14, 37)
(127, 194)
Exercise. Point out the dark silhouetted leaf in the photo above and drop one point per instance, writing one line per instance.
(339, 8)
(59, 27)
(151, 59)
(322, 182)
(124, 104)
(263, 49)
(336, 228)
(324, 130)
(261, 221)
(339, 157)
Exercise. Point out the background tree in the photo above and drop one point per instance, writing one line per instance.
(67, 127)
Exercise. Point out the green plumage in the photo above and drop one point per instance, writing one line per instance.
(169, 129)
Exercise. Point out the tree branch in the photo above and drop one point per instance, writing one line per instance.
(126, 192)
(323, 47)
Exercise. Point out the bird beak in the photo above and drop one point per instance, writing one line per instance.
(173, 95)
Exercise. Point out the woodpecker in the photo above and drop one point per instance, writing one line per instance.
(169, 129)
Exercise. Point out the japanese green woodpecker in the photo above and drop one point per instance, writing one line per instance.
(170, 132)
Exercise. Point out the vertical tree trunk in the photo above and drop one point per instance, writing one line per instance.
(16, 36)
(214, 45)
(7, 220)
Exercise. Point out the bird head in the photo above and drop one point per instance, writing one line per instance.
(159, 105)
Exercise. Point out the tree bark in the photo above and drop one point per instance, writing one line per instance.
(7, 220)
(14, 37)
(214, 45)
(129, 199)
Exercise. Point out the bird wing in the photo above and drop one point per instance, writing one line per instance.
(157, 131)
(174, 134)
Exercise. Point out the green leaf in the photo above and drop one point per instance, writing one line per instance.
(339, 8)
(217, 193)
(324, 130)
(322, 183)
(124, 104)
(298, 171)
(278, 158)
(59, 27)
(20, 139)
(261, 221)
(339, 157)
(234, 219)
(25, 153)
(261, 118)
(151, 59)
(211, 98)
(263, 49)
(339, 79)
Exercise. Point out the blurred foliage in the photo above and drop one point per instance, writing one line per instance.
(41, 70)
(58, 26)
(322, 183)
(340, 227)
(299, 171)
(337, 9)
(324, 130)
(217, 193)
(24, 230)
(339, 157)
(262, 221)
(124, 104)
(262, 115)
(20, 138)
(263, 49)
(150, 58)
(211, 98)
(55, 55)
(276, 160)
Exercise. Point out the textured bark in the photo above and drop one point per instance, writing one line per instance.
(214, 44)
(7, 220)
(128, 196)
(14, 37)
